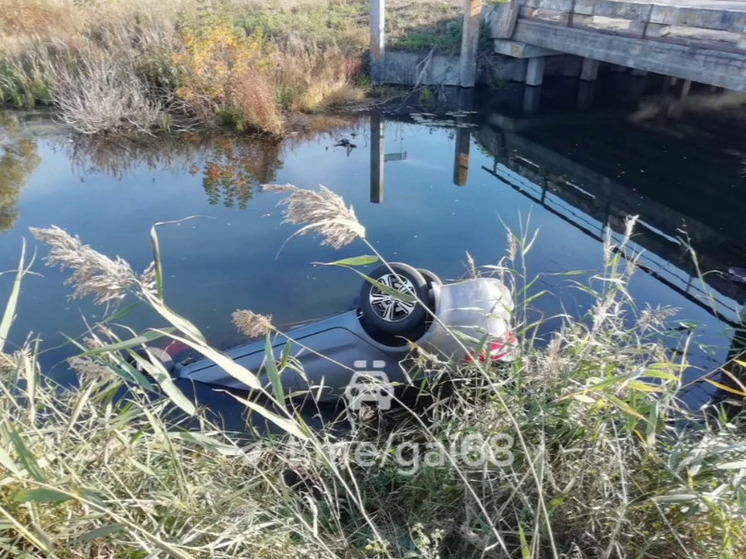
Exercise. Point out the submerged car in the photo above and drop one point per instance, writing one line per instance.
(364, 353)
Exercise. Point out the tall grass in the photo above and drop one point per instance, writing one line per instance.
(107, 66)
(604, 460)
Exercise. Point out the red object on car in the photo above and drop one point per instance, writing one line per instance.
(500, 350)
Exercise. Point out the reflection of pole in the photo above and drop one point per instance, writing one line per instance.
(377, 148)
(377, 40)
(461, 161)
(531, 99)
(463, 138)
(585, 95)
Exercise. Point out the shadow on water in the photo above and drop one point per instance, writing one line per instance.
(429, 183)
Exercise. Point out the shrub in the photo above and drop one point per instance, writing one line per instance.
(103, 95)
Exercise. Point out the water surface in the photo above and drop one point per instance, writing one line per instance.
(554, 161)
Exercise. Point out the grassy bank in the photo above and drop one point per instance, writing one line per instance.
(593, 456)
(140, 66)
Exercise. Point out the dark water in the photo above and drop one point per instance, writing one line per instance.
(564, 162)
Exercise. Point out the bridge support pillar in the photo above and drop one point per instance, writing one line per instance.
(535, 71)
(685, 88)
(589, 73)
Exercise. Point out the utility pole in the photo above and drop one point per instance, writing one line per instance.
(377, 40)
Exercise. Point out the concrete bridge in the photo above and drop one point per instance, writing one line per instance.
(696, 40)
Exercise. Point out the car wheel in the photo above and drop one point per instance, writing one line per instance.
(433, 286)
(388, 313)
(430, 277)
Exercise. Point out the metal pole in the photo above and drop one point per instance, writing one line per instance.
(377, 40)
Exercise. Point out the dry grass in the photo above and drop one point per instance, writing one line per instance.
(136, 66)
(103, 95)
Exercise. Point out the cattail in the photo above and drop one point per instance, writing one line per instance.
(322, 211)
(251, 324)
(93, 274)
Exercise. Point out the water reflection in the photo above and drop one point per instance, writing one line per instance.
(118, 156)
(18, 161)
(579, 173)
(235, 166)
(230, 166)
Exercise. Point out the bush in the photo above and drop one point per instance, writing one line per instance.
(103, 95)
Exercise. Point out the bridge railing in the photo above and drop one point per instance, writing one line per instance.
(715, 28)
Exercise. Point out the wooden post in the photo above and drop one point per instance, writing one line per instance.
(377, 179)
(377, 40)
(470, 41)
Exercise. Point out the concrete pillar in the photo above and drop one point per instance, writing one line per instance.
(377, 149)
(520, 69)
(685, 88)
(571, 66)
(470, 41)
(535, 71)
(589, 72)
(377, 40)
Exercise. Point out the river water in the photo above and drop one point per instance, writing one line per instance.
(564, 162)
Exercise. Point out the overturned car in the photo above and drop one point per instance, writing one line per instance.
(362, 354)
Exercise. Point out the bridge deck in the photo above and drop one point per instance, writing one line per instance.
(698, 40)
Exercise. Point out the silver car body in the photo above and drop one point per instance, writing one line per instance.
(337, 351)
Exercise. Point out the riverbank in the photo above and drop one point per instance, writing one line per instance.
(111, 67)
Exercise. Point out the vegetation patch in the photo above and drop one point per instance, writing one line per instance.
(109, 66)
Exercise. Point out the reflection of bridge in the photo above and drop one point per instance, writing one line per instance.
(590, 201)
(533, 154)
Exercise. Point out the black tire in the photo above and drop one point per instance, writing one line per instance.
(388, 314)
(433, 286)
